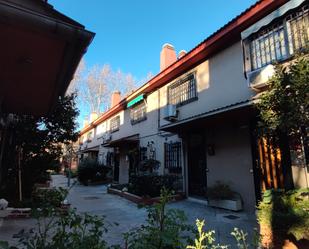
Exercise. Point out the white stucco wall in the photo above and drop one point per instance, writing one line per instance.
(300, 176)
(220, 82)
(232, 162)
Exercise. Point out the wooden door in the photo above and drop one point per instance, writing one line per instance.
(269, 164)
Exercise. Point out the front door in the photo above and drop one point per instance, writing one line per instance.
(197, 166)
(116, 166)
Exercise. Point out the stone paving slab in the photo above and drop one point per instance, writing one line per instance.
(95, 200)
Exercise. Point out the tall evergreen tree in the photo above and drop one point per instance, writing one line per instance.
(38, 140)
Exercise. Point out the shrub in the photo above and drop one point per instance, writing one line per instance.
(91, 170)
(151, 185)
(164, 229)
(74, 173)
(49, 198)
(149, 166)
(285, 212)
(220, 191)
(72, 231)
(43, 177)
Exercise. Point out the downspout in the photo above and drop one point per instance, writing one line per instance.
(2, 146)
(244, 59)
(159, 112)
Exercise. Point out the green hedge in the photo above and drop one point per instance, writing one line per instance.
(151, 185)
(91, 170)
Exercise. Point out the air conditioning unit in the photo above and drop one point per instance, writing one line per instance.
(258, 79)
(170, 113)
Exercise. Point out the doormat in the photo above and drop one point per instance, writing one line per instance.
(231, 217)
(91, 198)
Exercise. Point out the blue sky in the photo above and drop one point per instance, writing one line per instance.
(130, 33)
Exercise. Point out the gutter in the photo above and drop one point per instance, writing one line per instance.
(75, 35)
(229, 33)
(210, 113)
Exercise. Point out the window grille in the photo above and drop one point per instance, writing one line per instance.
(183, 91)
(172, 155)
(115, 124)
(89, 136)
(281, 40)
(143, 153)
(138, 113)
(109, 158)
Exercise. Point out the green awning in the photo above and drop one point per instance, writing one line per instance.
(135, 100)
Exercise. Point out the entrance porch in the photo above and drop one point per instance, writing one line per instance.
(218, 148)
(124, 160)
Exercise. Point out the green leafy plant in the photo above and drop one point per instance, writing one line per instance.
(5, 245)
(72, 231)
(49, 198)
(148, 166)
(151, 185)
(91, 170)
(241, 238)
(204, 240)
(164, 228)
(39, 139)
(73, 173)
(284, 108)
(220, 191)
(285, 212)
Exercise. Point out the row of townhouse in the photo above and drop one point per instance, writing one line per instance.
(197, 115)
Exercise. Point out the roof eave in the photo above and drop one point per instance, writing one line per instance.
(222, 38)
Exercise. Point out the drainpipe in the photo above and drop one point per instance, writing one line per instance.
(2, 146)
(19, 174)
(159, 112)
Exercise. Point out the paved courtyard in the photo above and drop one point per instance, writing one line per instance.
(96, 200)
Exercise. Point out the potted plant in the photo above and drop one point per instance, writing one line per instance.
(149, 166)
(220, 195)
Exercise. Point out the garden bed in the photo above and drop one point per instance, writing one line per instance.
(100, 182)
(142, 200)
(234, 205)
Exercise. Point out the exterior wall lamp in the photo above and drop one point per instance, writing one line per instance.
(211, 149)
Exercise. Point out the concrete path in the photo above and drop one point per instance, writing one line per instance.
(96, 200)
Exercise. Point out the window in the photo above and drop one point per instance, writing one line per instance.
(281, 40)
(183, 91)
(138, 113)
(172, 157)
(89, 136)
(115, 124)
(101, 128)
(142, 153)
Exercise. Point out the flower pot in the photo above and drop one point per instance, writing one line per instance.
(234, 205)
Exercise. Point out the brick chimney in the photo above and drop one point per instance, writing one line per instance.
(85, 123)
(168, 56)
(181, 53)
(116, 97)
(93, 116)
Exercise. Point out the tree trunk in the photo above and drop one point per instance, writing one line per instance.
(286, 161)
